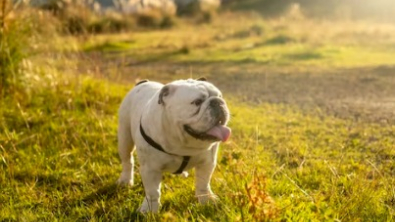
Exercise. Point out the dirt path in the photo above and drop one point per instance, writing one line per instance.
(362, 93)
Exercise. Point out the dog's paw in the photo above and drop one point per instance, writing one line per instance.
(149, 207)
(207, 198)
(125, 181)
(184, 174)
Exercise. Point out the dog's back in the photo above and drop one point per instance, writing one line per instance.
(132, 106)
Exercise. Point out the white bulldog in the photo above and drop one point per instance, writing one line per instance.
(175, 127)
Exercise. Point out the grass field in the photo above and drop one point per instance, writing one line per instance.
(312, 120)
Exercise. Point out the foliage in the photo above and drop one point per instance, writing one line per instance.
(82, 17)
(111, 22)
(14, 36)
(155, 19)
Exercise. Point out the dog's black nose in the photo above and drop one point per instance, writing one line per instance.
(216, 102)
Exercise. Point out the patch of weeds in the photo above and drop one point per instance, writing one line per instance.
(75, 16)
(260, 205)
(111, 24)
(149, 20)
(78, 17)
(207, 17)
(15, 34)
(196, 8)
(168, 22)
(155, 19)
(390, 201)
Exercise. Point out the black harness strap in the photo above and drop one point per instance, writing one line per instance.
(155, 145)
(185, 161)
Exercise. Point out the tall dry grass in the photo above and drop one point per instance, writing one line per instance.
(15, 31)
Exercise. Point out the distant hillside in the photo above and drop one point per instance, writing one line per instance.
(106, 3)
(103, 3)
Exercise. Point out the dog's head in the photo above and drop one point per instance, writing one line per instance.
(196, 108)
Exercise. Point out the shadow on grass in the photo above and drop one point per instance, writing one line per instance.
(110, 195)
(115, 198)
(106, 192)
(55, 181)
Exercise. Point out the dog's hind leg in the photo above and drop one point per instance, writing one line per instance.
(125, 149)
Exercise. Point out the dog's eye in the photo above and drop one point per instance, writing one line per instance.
(197, 102)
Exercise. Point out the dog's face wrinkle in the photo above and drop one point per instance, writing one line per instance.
(203, 98)
(197, 111)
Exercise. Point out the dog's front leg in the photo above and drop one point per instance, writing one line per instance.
(202, 183)
(151, 182)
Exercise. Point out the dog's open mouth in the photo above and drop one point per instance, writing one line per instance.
(218, 132)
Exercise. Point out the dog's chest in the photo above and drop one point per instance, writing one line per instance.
(170, 163)
(175, 163)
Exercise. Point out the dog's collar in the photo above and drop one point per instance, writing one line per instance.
(155, 145)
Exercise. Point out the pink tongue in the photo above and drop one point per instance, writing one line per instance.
(220, 132)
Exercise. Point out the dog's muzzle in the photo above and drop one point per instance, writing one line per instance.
(218, 111)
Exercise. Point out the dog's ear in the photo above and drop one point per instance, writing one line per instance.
(202, 79)
(142, 81)
(165, 91)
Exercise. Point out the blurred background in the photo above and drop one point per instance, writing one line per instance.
(352, 43)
